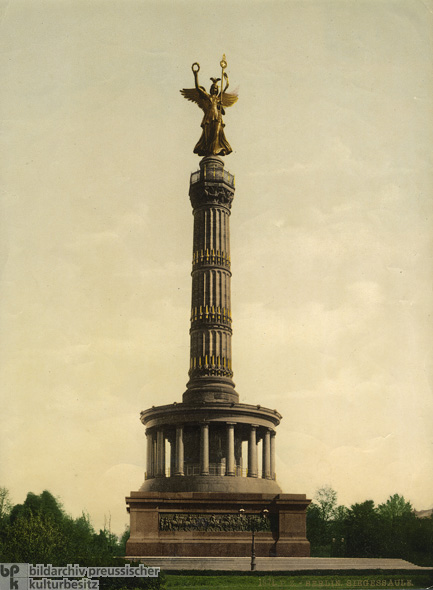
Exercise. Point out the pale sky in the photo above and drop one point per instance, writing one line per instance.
(331, 233)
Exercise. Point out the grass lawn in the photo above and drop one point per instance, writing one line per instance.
(187, 581)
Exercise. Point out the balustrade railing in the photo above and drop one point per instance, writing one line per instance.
(214, 469)
(213, 173)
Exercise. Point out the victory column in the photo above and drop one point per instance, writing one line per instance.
(201, 495)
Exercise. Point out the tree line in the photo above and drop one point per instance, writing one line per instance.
(40, 531)
(389, 530)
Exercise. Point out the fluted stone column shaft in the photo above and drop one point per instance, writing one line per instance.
(273, 434)
(266, 467)
(210, 371)
(179, 465)
(204, 449)
(172, 466)
(252, 453)
(149, 455)
(230, 449)
(160, 454)
(154, 455)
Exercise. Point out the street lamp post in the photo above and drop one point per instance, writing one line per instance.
(264, 512)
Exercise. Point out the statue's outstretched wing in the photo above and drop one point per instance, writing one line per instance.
(228, 99)
(196, 96)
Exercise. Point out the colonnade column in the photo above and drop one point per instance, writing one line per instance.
(273, 434)
(204, 449)
(266, 465)
(150, 468)
(230, 448)
(252, 452)
(160, 453)
(179, 468)
(154, 457)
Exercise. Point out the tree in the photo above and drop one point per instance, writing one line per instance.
(45, 503)
(80, 535)
(40, 531)
(388, 530)
(338, 531)
(363, 531)
(395, 507)
(397, 517)
(35, 538)
(316, 530)
(420, 536)
(320, 521)
(5, 504)
(5, 510)
(122, 541)
(326, 499)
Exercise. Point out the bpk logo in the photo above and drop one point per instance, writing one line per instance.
(14, 576)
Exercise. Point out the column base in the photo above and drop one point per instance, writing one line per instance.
(210, 389)
(211, 483)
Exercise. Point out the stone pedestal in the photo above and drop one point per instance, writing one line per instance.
(217, 524)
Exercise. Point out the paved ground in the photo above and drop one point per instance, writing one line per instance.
(277, 564)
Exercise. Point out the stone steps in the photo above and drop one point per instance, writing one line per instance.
(277, 564)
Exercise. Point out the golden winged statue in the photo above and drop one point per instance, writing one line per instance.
(212, 141)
